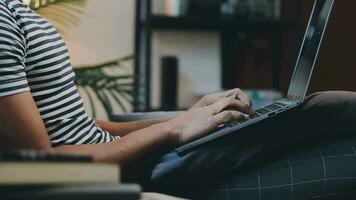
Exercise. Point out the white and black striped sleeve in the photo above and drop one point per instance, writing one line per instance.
(12, 55)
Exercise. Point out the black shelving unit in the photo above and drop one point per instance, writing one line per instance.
(159, 22)
(147, 22)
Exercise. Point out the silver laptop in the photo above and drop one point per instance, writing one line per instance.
(299, 83)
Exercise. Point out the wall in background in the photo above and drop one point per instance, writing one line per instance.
(105, 33)
(108, 33)
(199, 62)
(335, 68)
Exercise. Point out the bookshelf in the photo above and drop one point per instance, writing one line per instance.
(159, 22)
(147, 22)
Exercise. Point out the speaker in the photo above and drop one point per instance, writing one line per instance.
(169, 83)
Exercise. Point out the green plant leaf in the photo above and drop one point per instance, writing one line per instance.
(61, 13)
(114, 88)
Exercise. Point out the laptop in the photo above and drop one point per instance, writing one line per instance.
(298, 86)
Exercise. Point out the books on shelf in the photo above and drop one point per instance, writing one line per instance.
(36, 168)
(57, 173)
(36, 156)
(176, 8)
(34, 175)
(113, 192)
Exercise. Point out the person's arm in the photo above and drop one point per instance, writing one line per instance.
(21, 124)
(123, 128)
(23, 128)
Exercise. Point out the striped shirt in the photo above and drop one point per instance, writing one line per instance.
(33, 57)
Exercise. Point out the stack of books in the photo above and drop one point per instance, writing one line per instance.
(40, 176)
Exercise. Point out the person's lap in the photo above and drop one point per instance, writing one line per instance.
(325, 170)
(322, 117)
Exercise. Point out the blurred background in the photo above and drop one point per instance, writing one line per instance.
(144, 55)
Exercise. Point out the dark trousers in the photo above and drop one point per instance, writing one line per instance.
(306, 153)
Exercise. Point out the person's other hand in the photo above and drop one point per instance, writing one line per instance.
(199, 121)
(236, 93)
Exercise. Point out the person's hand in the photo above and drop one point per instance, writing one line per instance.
(213, 98)
(199, 121)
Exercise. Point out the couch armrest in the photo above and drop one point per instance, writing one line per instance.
(143, 116)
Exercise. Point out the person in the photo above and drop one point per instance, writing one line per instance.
(41, 110)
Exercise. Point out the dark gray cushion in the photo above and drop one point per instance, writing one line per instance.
(143, 116)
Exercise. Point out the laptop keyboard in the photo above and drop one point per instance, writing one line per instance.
(277, 106)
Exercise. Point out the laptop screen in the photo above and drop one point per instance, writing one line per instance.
(309, 49)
